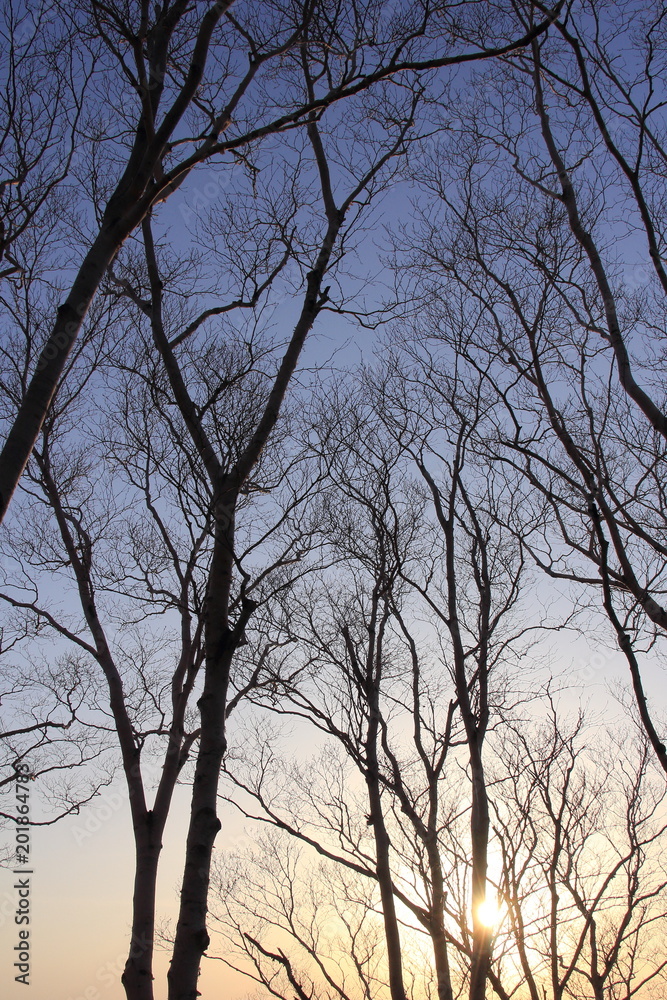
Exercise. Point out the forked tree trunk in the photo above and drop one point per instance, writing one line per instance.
(137, 978)
(192, 937)
(221, 641)
(148, 827)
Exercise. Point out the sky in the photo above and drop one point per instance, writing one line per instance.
(82, 885)
(82, 867)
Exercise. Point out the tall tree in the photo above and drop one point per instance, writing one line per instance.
(123, 525)
(191, 83)
(183, 445)
(518, 280)
(409, 542)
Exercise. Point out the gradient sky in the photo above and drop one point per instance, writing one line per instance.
(83, 866)
(82, 883)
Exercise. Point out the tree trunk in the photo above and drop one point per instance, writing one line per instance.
(192, 937)
(392, 935)
(479, 834)
(137, 977)
(437, 927)
(35, 404)
(382, 865)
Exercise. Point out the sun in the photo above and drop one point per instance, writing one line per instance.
(488, 913)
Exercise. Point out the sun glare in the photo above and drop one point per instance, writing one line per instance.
(488, 913)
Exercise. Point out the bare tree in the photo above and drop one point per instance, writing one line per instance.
(46, 734)
(205, 539)
(298, 929)
(368, 676)
(583, 890)
(133, 545)
(228, 474)
(575, 864)
(41, 94)
(46, 694)
(521, 288)
(188, 84)
(473, 596)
